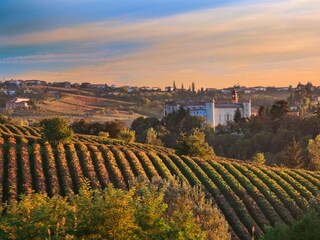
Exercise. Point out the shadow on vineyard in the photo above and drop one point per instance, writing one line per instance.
(249, 196)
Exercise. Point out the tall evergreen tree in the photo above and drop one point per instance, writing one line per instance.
(314, 152)
(279, 109)
(293, 157)
(193, 86)
(237, 116)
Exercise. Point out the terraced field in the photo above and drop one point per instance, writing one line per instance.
(248, 195)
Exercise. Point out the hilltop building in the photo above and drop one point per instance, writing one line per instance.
(214, 113)
(18, 103)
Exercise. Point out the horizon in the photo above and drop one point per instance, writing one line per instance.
(171, 85)
(215, 44)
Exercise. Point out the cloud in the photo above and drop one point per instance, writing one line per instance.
(277, 42)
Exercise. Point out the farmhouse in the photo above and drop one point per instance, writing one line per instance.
(18, 103)
(214, 113)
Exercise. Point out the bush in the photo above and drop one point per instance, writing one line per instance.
(104, 134)
(194, 145)
(56, 130)
(147, 211)
(127, 135)
(306, 228)
(258, 158)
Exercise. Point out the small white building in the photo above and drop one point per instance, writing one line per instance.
(18, 103)
(214, 113)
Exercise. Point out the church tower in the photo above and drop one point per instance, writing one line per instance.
(234, 96)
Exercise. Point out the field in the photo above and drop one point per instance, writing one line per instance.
(248, 195)
(73, 107)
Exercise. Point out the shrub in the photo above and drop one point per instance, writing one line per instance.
(56, 130)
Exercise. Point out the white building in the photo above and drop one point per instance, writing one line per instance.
(214, 113)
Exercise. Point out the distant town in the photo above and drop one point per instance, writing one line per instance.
(36, 98)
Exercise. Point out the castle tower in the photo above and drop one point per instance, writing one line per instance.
(210, 112)
(234, 96)
(247, 109)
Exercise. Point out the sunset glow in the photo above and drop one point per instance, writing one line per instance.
(211, 43)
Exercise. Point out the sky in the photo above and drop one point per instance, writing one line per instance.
(213, 43)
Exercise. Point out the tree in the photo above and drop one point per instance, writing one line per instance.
(80, 126)
(314, 153)
(4, 119)
(114, 128)
(279, 109)
(152, 138)
(307, 228)
(56, 130)
(194, 145)
(141, 125)
(193, 86)
(237, 116)
(127, 135)
(174, 86)
(258, 158)
(293, 157)
(161, 210)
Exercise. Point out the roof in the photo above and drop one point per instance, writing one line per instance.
(228, 105)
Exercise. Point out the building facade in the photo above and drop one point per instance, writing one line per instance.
(215, 113)
(18, 103)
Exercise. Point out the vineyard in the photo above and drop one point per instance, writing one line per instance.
(248, 195)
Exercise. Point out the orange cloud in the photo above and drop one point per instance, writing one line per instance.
(275, 43)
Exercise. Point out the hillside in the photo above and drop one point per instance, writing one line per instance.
(248, 195)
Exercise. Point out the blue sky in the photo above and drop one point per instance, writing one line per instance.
(153, 42)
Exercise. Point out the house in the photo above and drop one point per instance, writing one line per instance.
(145, 89)
(261, 89)
(215, 113)
(168, 89)
(12, 82)
(133, 89)
(113, 93)
(211, 90)
(35, 82)
(18, 103)
(10, 92)
(156, 89)
(85, 85)
(99, 86)
(61, 84)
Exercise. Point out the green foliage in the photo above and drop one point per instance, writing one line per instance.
(194, 145)
(279, 109)
(152, 138)
(237, 116)
(258, 158)
(314, 152)
(94, 128)
(56, 130)
(182, 121)
(127, 135)
(293, 156)
(4, 119)
(104, 134)
(307, 229)
(141, 125)
(146, 211)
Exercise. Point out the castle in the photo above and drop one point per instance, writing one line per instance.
(214, 113)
